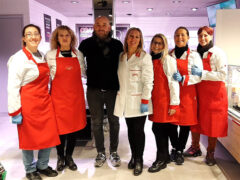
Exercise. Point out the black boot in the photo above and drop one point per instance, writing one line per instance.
(157, 166)
(138, 167)
(70, 163)
(60, 163)
(210, 160)
(131, 163)
(179, 158)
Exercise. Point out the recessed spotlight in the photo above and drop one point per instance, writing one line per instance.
(125, 2)
(149, 9)
(194, 9)
(129, 14)
(176, 1)
(74, 2)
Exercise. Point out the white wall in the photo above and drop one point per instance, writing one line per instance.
(228, 34)
(36, 11)
(14, 7)
(165, 25)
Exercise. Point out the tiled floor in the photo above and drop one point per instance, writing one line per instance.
(193, 168)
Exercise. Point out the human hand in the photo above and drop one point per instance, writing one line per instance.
(171, 112)
(177, 76)
(17, 119)
(196, 71)
(144, 108)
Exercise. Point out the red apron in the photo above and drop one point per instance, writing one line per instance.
(188, 98)
(161, 96)
(38, 129)
(68, 95)
(212, 106)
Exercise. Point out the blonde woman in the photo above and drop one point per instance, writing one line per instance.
(135, 73)
(165, 99)
(66, 67)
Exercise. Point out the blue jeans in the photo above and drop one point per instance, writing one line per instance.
(42, 162)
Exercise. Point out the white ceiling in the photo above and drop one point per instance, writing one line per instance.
(138, 8)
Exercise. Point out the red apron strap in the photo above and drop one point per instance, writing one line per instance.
(29, 55)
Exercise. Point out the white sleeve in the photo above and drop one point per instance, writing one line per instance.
(82, 63)
(147, 77)
(219, 71)
(191, 79)
(51, 60)
(15, 77)
(170, 67)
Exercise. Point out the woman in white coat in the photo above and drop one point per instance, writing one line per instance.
(30, 104)
(135, 73)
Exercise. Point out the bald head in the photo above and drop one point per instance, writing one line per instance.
(102, 27)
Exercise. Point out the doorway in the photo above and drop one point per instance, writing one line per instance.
(10, 42)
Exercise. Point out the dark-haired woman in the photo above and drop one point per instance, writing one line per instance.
(67, 66)
(165, 99)
(30, 105)
(212, 96)
(188, 96)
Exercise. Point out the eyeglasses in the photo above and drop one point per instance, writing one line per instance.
(29, 35)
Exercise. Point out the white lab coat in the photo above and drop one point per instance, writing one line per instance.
(218, 63)
(136, 82)
(169, 68)
(193, 59)
(51, 60)
(21, 71)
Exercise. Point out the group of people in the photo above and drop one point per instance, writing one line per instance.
(182, 88)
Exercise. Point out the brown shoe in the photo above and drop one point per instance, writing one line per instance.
(210, 160)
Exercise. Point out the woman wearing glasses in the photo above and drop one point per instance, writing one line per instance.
(30, 105)
(165, 99)
(66, 67)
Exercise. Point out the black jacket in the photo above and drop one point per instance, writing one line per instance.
(102, 62)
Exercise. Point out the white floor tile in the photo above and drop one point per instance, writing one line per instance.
(193, 168)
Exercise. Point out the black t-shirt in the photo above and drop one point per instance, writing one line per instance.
(102, 62)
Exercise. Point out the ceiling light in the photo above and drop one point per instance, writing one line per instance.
(194, 9)
(125, 2)
(74, 2)
(176, 1)
(149, 9)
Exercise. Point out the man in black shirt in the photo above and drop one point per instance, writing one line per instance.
(102, 56)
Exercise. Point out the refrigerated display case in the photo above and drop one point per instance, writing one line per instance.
(232, 141)
(233, 87)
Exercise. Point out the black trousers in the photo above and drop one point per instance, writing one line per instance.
(161, 131)
(179, 139)
(70, 141)
(96, 101)
(136, 136)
